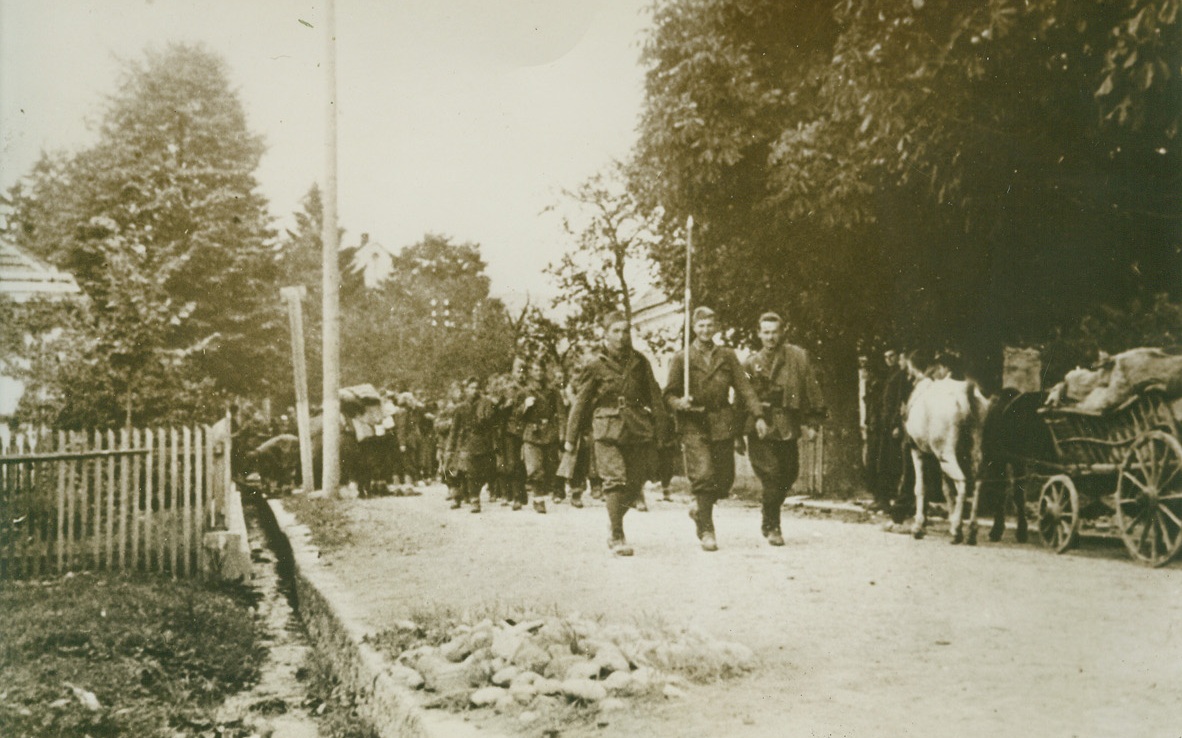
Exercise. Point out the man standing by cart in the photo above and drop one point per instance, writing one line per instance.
(708, 425)
(790, 396)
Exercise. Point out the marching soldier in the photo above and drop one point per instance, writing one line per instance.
(786, 383)
(470, 444)
(539, 415)
(509, 481)
(621, 401)
(708, 424)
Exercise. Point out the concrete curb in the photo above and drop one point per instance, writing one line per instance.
(322, 602)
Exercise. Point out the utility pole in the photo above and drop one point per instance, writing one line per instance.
(331, 483)
(294, 296)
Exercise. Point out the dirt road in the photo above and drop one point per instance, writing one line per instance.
(859, 632)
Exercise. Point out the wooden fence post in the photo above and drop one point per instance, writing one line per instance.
(186, 503)
(174, 510)
(198, 497)
(61, 505)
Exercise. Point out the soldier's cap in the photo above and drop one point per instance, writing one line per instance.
(611, 318)
(702, 312)
(771, 317)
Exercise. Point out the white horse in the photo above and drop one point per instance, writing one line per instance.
(944, 417)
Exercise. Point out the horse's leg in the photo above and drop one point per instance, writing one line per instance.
(972, 540)
(999, 515)
(953, 474)
(917, 526)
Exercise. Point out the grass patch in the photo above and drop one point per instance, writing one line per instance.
(159, 656)
(327, 518)
(335, 708)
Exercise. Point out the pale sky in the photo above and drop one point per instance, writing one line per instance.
(462, 117)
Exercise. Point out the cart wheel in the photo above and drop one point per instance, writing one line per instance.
(1058, 513)
(1149, 498)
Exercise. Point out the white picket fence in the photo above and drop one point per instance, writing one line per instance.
(128, 500)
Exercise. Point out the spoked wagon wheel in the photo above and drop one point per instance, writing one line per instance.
(1058, 513)
(1149, 498)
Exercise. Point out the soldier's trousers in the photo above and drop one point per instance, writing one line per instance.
(510, 471)
(710, 465)
(777, 464)
(479, 472)
(624, 470)
(541, 467)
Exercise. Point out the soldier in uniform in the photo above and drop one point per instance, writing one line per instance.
(708, 425)
(509, 479)
(620, 399)
(539, 414)
(786, 383)
(470, 444)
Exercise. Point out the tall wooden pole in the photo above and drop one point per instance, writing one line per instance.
(331, 483)
(295, 317)
(689, 307)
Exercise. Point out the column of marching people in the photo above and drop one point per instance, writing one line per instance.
(530, 437)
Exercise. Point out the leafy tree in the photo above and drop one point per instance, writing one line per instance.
(161, 225)
(973, 172)
(431, 322)
(612, 237)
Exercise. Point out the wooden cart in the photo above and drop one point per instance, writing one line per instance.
(1133, 448)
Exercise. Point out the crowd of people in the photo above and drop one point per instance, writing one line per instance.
(533, 436)
(528, 436)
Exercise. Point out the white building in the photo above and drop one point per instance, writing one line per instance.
(23, 278)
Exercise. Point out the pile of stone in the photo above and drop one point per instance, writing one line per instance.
(551, 662)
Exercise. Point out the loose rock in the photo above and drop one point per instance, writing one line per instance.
(503, 677)
(586, 690)
(486, 696)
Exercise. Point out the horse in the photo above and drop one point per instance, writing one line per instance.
(1016, 439)
(945, 418)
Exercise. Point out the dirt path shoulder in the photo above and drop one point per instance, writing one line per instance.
(858, 632)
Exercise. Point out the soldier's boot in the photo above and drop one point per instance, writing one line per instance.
(708, 542)
(665, 494)
(597, 489)
(475, 505)
(617, 505)
(638, 502)
(540, 505)
(619, 547)
(576, 499)
(455, 503)
(771, 522)
(702, 513)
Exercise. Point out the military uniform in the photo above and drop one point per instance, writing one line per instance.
(540, 421)
(708, 431)
(790, 394)
(620, 399)
(509, 479)
(471, 449)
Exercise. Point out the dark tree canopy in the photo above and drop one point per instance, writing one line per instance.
(923, 170)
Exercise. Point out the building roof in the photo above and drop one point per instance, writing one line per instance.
(22, 277)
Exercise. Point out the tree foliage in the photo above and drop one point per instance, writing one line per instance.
(611, 237)
(928, 170)
(161, 225)
(430, 322)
